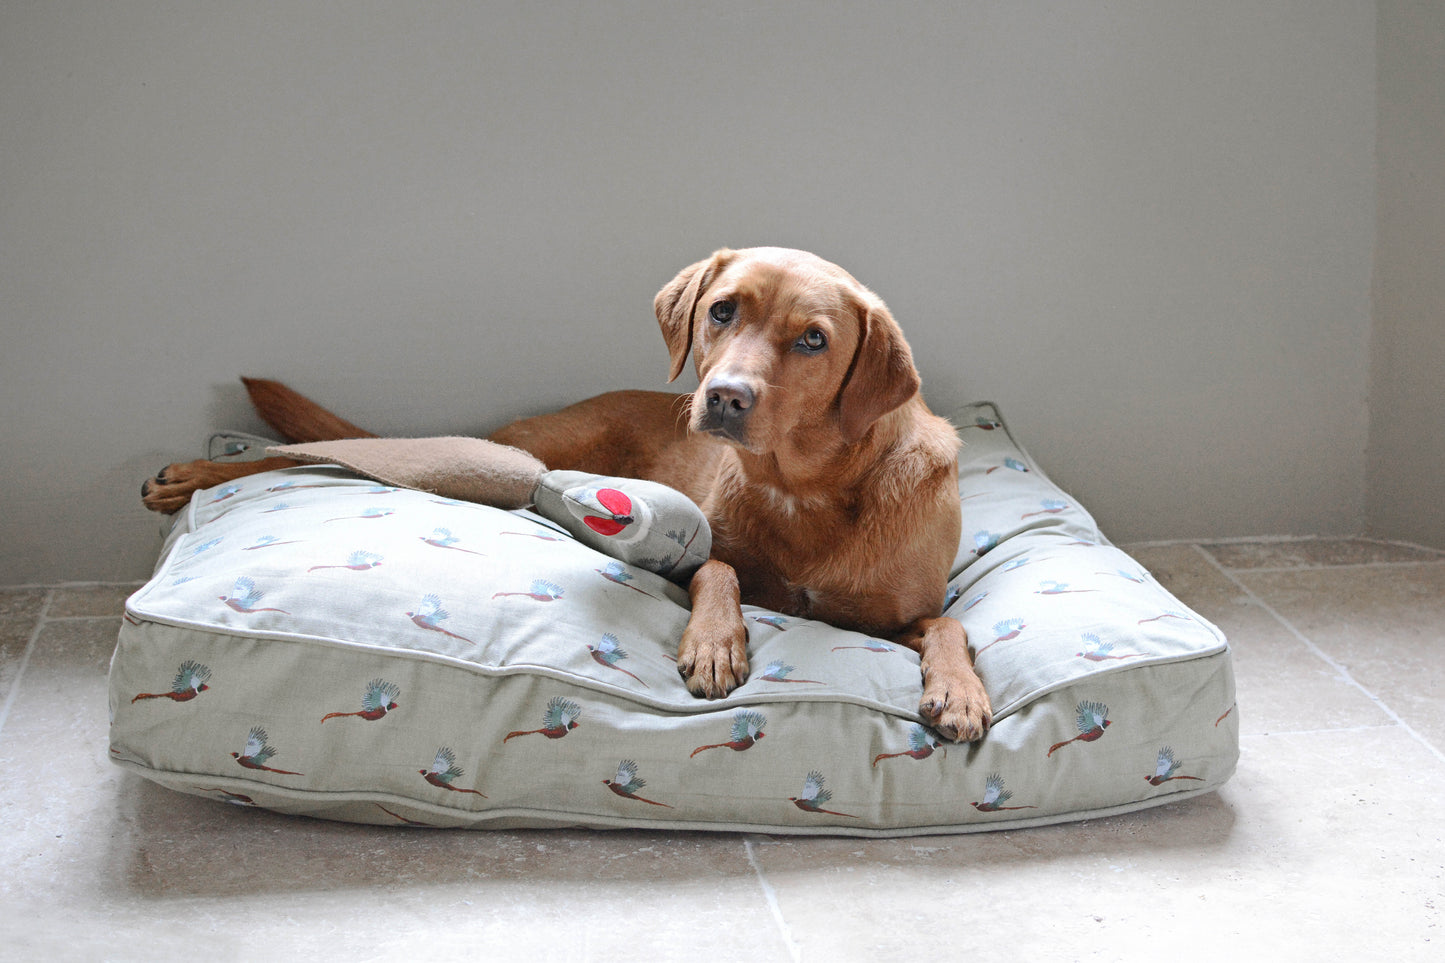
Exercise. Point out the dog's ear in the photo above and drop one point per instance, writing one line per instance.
(676, 302)
(882, 375)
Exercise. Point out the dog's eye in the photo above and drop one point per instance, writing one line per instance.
(723, 311)
(813, 340)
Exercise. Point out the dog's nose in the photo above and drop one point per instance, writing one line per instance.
(729, 402)
(729, 398)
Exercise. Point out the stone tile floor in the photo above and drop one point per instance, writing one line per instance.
(1329, 843)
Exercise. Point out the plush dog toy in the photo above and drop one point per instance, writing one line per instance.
(639, 522)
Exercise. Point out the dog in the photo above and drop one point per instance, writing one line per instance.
(831, 489)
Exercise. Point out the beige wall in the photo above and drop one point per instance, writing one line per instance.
(1407, 437)
(1145, 229)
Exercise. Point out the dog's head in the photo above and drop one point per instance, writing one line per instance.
(783, 342)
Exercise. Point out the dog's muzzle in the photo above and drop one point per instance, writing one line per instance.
(728, 403)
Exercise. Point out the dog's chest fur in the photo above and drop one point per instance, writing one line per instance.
(824, 555)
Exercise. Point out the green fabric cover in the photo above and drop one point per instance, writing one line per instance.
(315, 643)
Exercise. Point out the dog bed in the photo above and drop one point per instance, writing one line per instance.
(315, 643)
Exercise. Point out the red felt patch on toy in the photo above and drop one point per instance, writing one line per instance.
(619, 505)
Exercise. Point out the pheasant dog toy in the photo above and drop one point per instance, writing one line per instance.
(639, 522)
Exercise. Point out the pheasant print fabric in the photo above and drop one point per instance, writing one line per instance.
(315, 643)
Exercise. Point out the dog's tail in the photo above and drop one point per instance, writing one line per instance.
(297, 418)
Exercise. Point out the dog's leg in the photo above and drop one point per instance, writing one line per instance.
(713, 654)
(173, 486)
(954, 701)
(296, 417)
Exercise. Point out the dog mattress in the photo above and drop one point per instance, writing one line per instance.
(314, 643)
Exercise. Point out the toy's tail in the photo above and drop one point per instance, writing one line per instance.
(295, 417)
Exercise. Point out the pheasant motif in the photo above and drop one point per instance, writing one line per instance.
(984, 542)
(271, 541)
(779, 622)
(1052, 506)
(380, 698)
(1168, 615)
(1165, 767)
(871, 645)
(356, 562)
(366, 513)
(1011, 463)
(815, 796)
(234, 798)
(189, 682)
(1096, 650)
(628, 783)
(984, 424)
(1054, 587)
(778, 671)
(443, 538)
(541, 591)
(1092, 721)
(293, 486)
(1005, 631)
(608, 653)
(205, 546)
(994, 797)
(230, 491)
(400, 818)
(245, 598)
(920, 746)
(747, 730)
(559, 719)
(444, 771)
(540, 533)
(257, 753)
(430, 614)
(617, 573)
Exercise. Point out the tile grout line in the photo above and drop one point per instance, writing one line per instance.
(126, 583)
(1280, 540)
(40, 620)
(1338, 566)
(771, 897)
(1319, 653)
(1440, 554)
(1317, 732)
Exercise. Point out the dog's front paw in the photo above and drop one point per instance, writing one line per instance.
(172, 487)
(713, 659)
(954, 703)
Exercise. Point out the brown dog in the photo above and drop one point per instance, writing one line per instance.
(830, 487)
